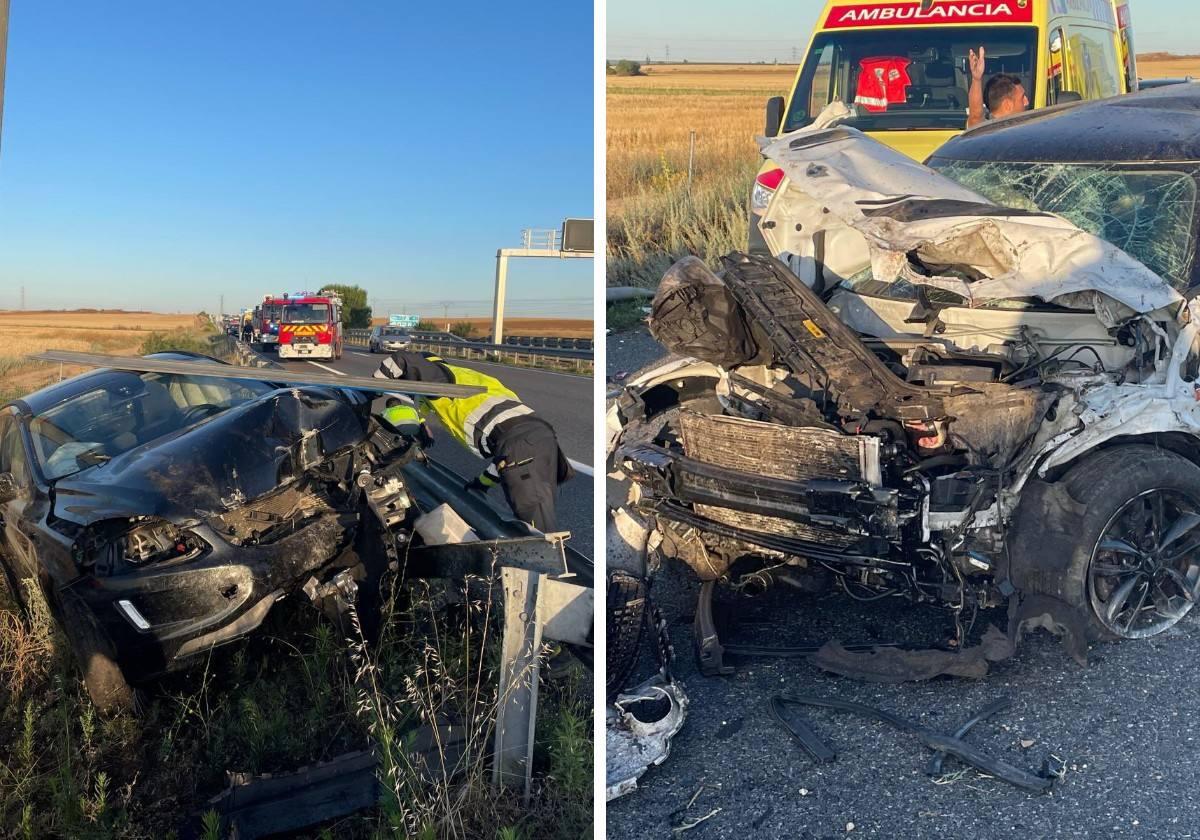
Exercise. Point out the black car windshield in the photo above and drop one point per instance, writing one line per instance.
(127, 410)
(1145, 210)
(906, 79)
(306, 313)
(395, 333)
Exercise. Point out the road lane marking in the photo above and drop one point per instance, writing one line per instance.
(324, 367)
(582, 468)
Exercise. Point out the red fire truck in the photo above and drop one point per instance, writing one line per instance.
(266, 322)
(310, 326)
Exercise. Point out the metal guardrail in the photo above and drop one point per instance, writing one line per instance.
(549, 341)
(558, 358)
(539, 341)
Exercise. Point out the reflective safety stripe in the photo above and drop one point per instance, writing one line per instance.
(509, 413)
(466, 417)
(490, 476)
(477, 414)
(403, 417)
(394, 369)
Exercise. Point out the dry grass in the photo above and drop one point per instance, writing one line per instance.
(1163, 66)
(27, 645)
(650, 119)
(98, 319)
(120, 333)
(654, 214)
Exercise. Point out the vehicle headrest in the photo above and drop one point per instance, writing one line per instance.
(941, 72)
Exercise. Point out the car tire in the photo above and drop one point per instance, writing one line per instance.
(106, 684)
(1136, 539)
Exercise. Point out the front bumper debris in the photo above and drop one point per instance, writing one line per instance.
(634, 745)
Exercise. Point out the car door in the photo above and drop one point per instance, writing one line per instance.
(17, 544)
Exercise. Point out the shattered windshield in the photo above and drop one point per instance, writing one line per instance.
(127, 411)
(906, 79)
(1147, 213)
(306, 313)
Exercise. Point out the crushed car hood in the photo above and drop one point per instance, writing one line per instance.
(220, 463)
(851, 202)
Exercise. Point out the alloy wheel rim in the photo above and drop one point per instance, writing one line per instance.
(1144, 573)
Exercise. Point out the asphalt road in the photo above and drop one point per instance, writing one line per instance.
(1125, 725)
(564, 400)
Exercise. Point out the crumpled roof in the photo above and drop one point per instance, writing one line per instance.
(971, 246)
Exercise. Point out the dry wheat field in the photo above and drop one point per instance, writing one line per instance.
(91, 331)
(650, 118)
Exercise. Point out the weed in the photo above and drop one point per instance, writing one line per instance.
(625, 315)
(463, 329)
(158, 342)
(26, 825)
(25, 745)
(210, 825)
(653, 229)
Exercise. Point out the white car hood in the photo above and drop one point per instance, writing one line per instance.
(876, 206)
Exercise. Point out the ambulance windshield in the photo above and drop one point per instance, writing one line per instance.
(907, 78)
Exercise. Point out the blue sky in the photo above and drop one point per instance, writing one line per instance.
(721, 30)
(159, 154)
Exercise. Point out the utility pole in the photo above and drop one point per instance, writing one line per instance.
(221, 307)
(668, 53)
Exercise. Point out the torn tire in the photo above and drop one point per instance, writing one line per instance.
(1116, 542)
(105, 682)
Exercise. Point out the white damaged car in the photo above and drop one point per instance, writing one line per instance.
(967, 396)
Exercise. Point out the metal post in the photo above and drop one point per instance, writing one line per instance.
(498, 306)
(520, 661)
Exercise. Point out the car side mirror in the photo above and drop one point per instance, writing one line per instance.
(1068, 96)
(8, 488)
(774, 115)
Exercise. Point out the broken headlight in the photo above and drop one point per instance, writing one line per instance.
(158, 540)
(119, 546)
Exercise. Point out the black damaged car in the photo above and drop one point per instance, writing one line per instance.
(163, 514)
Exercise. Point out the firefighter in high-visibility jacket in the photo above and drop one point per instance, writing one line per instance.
(521, 447)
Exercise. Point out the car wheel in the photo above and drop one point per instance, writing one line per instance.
(1135, 567)
(106, 685)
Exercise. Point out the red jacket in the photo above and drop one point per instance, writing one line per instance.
(883, 81)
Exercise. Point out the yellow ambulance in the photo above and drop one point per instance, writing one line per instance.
(903, 65)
